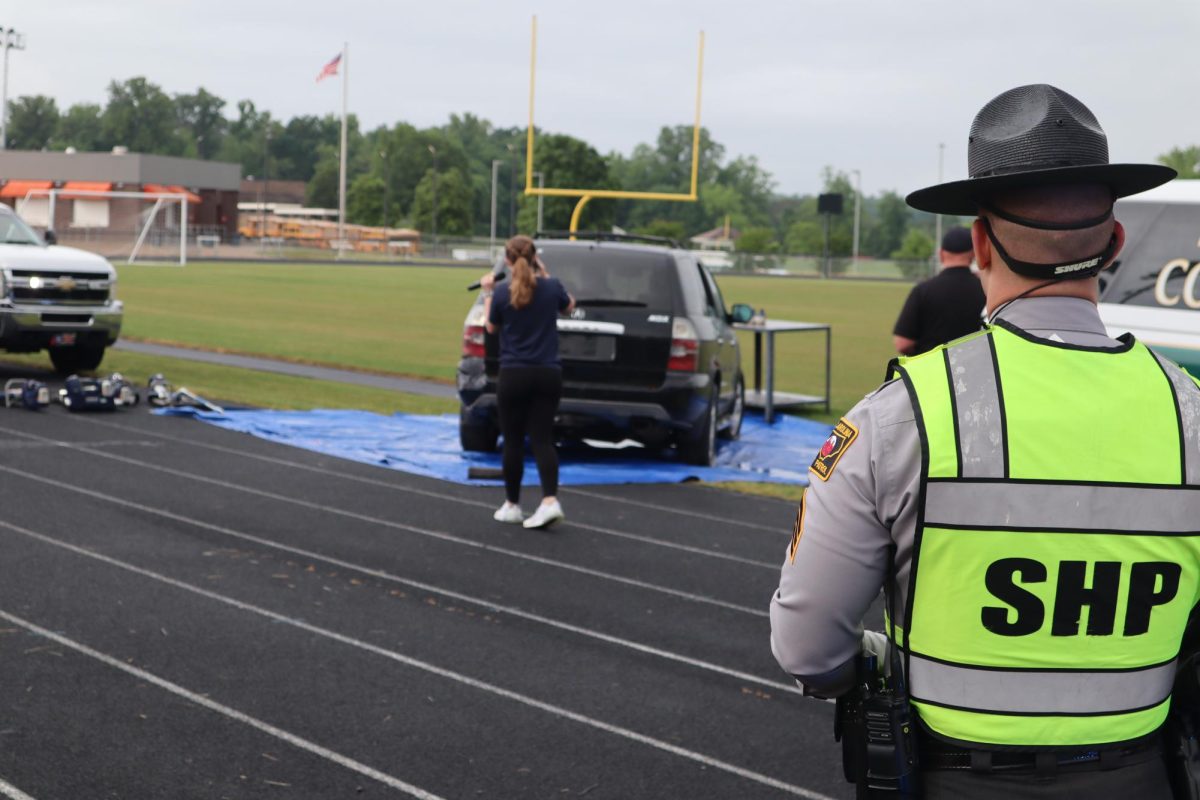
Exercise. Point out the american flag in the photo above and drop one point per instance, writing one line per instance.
(330, 69)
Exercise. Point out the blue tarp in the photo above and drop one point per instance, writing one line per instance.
(428, 445)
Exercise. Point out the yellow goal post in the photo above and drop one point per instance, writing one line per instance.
(585, 195)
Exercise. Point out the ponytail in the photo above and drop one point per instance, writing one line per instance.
(521, 253)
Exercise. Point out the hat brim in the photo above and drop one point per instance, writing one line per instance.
(962, 197)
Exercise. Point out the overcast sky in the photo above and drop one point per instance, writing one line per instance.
(873, 85)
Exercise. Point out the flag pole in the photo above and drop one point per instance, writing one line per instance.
(342, 172)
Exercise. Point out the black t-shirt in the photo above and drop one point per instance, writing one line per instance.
(529, 335)
(941, 309)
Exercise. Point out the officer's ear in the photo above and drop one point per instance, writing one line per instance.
(1119, 233)
(983, 247)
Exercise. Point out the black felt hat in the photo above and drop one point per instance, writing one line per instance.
(1035, 136)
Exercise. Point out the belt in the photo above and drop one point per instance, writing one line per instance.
(938, 755)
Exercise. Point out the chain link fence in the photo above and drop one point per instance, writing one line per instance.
(162, 242)
(815, 266)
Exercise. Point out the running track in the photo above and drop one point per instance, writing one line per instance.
(187, 612)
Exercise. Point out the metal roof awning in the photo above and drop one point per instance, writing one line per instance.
(158, 188)
(83, 186)
(19, 189)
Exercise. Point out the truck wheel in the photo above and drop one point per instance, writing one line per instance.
(77, 358)
(476, 436)
(701, 448)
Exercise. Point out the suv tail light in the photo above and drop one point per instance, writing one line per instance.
(474, 334)
(685, 346)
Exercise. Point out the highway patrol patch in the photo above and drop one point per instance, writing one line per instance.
(797, 529)
(835, 446)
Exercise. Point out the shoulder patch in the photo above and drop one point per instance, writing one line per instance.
(797, 529)
(835, 446)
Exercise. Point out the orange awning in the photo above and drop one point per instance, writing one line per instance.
(158, 188)
(191, 196)
(19, 189)
(84, 186)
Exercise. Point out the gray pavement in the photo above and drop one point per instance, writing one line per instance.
(410, 385)
(188, 612)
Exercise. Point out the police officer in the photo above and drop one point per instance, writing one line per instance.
(1034, 490)
(944, 307)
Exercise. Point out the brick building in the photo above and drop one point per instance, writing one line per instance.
(255, 190)
(210, 186)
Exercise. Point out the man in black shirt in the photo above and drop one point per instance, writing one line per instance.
(946, 306)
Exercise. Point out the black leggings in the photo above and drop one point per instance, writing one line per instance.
(527, 398)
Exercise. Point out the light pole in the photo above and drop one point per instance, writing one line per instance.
(857, 210)
(12, 41)
(257, 186)
(387, 181)
(433, 152)
(937, 231)
(512, 194)
(541, 179)
(262, 207)
(495, 172)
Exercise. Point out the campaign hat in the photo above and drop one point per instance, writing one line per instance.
(1033, 136)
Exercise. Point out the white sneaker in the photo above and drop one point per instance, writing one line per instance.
(546, 514)
(509, 512)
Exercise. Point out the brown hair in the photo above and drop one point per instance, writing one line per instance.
(520, 252)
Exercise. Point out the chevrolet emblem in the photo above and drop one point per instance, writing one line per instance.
(66, 283)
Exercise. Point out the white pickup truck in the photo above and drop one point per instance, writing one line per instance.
(55, 298)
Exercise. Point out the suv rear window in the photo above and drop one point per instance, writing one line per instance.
(613, 276)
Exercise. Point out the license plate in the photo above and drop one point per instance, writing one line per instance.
(62, 340)
(584, 347)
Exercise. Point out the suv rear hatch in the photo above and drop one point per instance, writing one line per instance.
(619, 336)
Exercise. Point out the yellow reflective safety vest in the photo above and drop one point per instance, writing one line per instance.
(1057, 551)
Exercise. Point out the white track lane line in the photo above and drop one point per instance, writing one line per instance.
(10, 791)
(483, 686)
(231, 713)
(387, 523)
(414, 584)
(774, 567)
(780, 531)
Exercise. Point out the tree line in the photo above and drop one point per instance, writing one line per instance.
(397, 173)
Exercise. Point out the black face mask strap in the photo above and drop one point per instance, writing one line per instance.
(1065, 271)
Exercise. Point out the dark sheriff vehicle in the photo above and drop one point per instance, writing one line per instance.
(648, 354)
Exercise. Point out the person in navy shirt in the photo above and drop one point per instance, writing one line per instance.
(525, 311)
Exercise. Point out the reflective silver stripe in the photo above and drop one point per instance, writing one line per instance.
(590, 326)
(1024, 692)
(1188, 396)
(1063, 506)
(977, 405)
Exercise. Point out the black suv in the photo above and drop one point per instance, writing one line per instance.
(648, 354)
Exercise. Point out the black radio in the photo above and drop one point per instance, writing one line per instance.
(877, 728)
(876, 723)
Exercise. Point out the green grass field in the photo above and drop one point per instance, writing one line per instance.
(408, 320)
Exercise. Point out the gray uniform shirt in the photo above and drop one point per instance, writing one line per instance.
(869, 503)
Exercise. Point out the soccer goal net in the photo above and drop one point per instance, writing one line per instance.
(147, 226)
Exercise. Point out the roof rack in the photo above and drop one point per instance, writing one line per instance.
(606, 236)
